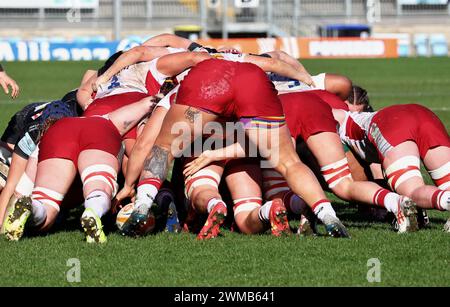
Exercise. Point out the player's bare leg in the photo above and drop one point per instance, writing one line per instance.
(176, 133)
(53, 179)
(98, 171)
(202, 188)
(276, 146)
(437, 161)
(335, 169)
(402, 167)
(244, 182)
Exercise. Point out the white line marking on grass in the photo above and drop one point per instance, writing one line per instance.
(442, 109)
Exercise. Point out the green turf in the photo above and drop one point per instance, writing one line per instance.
(419, 259)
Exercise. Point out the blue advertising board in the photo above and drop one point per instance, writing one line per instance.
(54, 51)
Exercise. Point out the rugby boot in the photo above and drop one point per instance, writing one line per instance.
(93, 227)
(334, 227)
(18, 214)
(279, 224)
(216, 218)
(406, 215)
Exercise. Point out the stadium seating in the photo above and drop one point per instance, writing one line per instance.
(403, 39)
(421, 44)
(438, 45)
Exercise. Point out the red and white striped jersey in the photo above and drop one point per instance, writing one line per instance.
(354, 133)
(142, 77)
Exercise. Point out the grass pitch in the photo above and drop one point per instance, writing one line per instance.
(164, 259)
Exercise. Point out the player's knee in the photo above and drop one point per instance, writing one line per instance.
(343, 188)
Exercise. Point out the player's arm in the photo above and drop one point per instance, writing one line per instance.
(129, 116)
(6, 82)
(233, 151)
(88, 75)
(174, 41)
(168, 40)
(16, 170)
(283, 56)
(141, 150)
(130, 57)
(175, 63)
(85, 91)
(279, 67)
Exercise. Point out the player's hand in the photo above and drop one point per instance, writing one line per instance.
(206, 158)
(6, 82)
(126, 192)
(308, 80)
(99, 82)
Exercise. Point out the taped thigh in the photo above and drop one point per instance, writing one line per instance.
(101, 172)
(335, 172)
(246, 204)
(441, 176)
(48, 197)
(202, 177)
(401, 170)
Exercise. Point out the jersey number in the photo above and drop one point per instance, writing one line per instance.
(114, 83)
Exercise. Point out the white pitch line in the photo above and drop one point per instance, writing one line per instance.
(443, 109)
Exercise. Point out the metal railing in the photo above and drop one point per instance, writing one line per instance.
(279, 17)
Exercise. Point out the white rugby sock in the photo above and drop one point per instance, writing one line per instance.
(147, 190)
(386, 199)
(391, 202)
(322, 208)
(99, 202)
(212, 203)
(441, 200)
(264, 212)
(38, 213)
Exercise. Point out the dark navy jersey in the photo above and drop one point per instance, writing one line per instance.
(25, 128)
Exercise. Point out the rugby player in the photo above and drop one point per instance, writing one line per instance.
(310, 119)
(245, 93)
(6, 82)
(89, 146)
(400, 137)
(22, 136)
(243, 179)
(179, 59)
